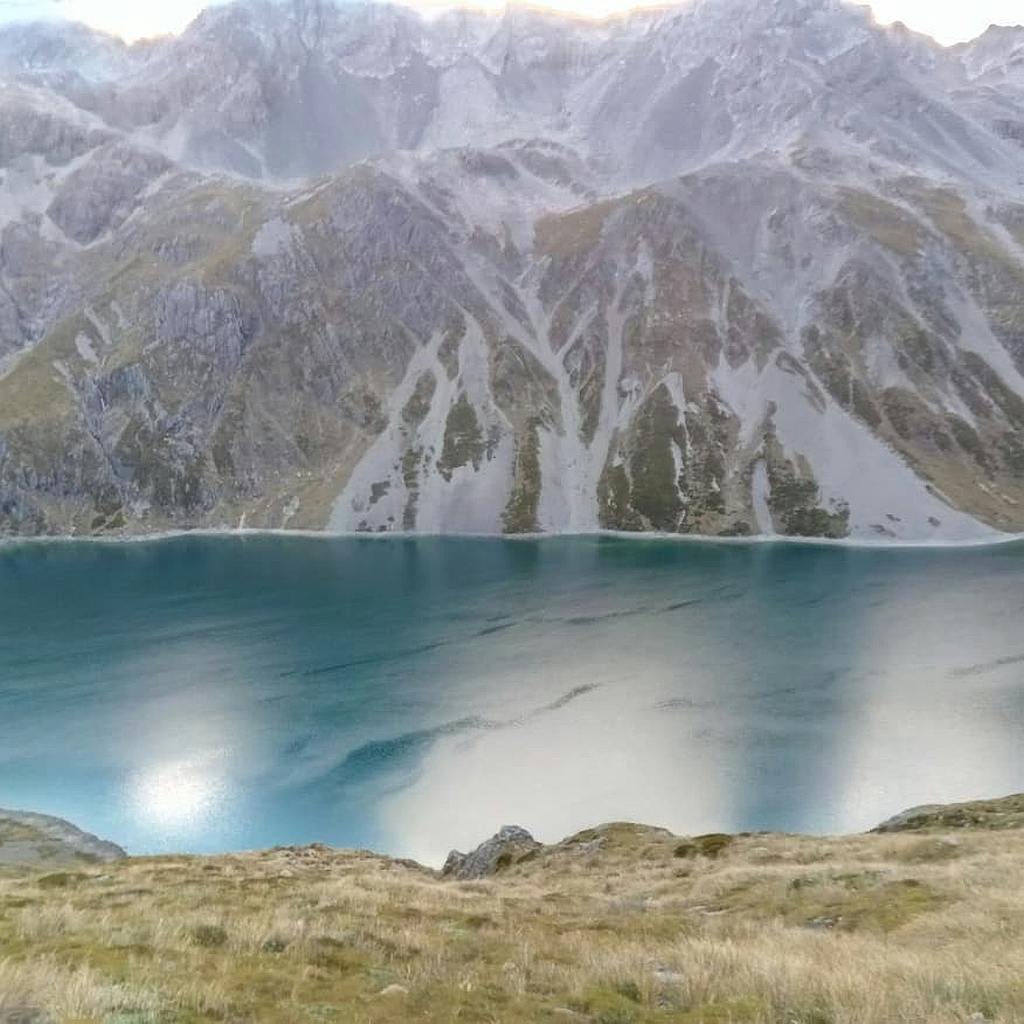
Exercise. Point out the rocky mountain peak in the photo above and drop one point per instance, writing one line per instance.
(728, 267)
(508, 845)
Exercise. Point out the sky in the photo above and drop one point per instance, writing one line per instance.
(949, 21)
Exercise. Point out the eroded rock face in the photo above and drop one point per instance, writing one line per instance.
(569, 286)
(27, 838)
(510, 844)
(103, 193)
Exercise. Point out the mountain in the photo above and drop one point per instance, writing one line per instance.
(733, 267)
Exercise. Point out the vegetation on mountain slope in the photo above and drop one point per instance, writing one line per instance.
(227, 281)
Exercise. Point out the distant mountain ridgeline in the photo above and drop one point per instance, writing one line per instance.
(729, 268)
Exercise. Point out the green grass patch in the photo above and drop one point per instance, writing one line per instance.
(463, 439)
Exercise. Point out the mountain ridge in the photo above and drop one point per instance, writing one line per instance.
(710, 274)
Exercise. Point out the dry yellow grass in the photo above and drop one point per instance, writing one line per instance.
(620, 925)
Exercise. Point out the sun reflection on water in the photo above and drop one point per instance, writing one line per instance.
(413, 697)
(178, 796)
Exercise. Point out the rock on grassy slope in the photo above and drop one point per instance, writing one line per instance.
(621, 924)
(1006, 813)
(38, 839)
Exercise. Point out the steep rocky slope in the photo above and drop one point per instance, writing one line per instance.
(727, 268)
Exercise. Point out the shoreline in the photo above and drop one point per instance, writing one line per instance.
(756, 540)
(1001, 813)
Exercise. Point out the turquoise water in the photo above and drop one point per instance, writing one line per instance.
(212, 693)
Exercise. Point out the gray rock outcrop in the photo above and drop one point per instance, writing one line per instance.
(510, 844)
(30, 839)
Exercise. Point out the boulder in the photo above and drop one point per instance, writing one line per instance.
(510, 844)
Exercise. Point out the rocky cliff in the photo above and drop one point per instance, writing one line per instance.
(726, 268)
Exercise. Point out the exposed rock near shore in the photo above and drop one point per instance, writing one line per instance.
(729, 268)
(506, 847)
(1003, 813)
(30, 839)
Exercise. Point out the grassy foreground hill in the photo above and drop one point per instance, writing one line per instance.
(622, 924)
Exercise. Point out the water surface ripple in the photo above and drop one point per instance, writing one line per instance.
(209, 693)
